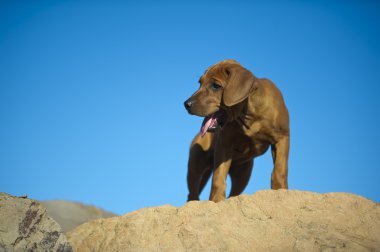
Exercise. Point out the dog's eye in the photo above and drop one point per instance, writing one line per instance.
(215, 86)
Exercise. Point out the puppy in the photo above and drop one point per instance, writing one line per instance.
(243, 117)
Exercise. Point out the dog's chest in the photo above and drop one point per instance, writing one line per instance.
(245, 147)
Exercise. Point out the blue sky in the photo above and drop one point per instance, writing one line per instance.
(92, 92)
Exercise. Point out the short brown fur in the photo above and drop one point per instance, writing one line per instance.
(257, 119)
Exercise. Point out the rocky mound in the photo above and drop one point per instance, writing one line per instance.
(25, 226)
(71, 214)
(283, 220)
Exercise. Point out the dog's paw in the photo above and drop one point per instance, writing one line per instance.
(217, 198)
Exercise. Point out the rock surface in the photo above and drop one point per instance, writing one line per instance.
(283, 220)
(71, 214)
(25, 226)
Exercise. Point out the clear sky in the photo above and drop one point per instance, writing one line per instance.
(92, 92)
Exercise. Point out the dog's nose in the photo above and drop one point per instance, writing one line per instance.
(188, 104)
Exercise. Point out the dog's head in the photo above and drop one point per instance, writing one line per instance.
(223, 85)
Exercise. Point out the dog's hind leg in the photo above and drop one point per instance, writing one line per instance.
(280, 153)
(240, 175)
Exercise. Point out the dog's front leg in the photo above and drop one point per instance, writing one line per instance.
(222, 164)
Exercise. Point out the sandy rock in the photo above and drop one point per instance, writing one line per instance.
(282, 220)
(71, 214)
(25, 226)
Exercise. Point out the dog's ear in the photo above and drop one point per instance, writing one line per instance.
(241, 83)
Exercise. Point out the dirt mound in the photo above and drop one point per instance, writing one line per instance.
(282, 220)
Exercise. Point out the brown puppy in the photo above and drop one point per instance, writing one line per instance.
(244, 115)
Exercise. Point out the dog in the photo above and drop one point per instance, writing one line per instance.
(243, 117)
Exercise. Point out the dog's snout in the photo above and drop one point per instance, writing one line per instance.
(189, 104)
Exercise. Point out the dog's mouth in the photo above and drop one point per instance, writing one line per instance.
(213, 121)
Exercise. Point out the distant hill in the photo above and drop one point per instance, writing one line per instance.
(71, 214)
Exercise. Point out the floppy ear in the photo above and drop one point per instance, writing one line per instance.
(240, 85)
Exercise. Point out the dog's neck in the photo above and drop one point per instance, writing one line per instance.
(238, 114)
